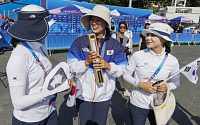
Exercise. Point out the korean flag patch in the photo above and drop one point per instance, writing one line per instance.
(15, 78)
(110, 52)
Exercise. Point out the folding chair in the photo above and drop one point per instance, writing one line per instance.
(196, 38)
(184, 38)
(173, 37)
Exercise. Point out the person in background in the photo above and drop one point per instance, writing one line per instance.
(128, 33)
(93, 104)
(124, 40)
(195, 30)
(172, 28)
(142, 42)
(5, 25)
(11, 22)
(145, 64)
(113, 28)
(180, 28)
(175, 29)
(28, 67)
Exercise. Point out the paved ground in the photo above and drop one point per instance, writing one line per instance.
(187, 95)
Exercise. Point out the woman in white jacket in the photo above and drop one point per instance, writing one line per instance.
(145, 63)
(28, 67)
(93, 103)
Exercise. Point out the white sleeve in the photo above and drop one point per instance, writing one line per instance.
(21, 101)
(130, 68)
(131, 33)
(175, 81)
(17, 74)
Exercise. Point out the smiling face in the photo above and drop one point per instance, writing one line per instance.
(154, 42)
(98, 25)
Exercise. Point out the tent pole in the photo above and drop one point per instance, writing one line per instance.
(72, 22)
(130, 3)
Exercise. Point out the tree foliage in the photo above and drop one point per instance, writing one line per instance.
(144, 4)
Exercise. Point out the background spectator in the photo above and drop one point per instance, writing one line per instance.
(113, 28)
(142, 42)
(180, 29)
(5, 25)
(128, 33)
(175, 29)
(195, 30)
(172, 28)
(120, 36)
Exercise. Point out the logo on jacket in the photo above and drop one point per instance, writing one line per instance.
(110, 52)
(86, 49)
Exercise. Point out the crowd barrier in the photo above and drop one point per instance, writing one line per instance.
(64, 40)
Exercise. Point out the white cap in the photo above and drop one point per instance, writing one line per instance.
(160, 29)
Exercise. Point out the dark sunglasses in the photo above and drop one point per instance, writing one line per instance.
(124, 27)
(147, 24)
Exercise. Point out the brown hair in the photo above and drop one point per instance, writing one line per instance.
(167, 46)
(11, 20)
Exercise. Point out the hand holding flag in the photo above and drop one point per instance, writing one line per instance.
(76, 90)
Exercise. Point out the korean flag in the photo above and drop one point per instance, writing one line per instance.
(75, 91)
(190, 70)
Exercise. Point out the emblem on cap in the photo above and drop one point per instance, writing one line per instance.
(32, 16)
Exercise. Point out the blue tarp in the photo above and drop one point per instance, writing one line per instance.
(5, 40)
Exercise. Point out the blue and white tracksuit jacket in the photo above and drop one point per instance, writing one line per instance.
(114, 54)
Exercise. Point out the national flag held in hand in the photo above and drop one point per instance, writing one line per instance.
(190, 70)
(75, 91)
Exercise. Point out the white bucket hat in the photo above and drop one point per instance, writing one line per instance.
(160, 29)
(99, 11)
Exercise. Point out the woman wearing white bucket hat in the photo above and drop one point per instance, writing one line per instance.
(145, 63)
(93, 103)
(28, 67)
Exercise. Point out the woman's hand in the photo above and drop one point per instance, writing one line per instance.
(70, 82)
(101, 64)
(91, 57)
(147, 86)
(161, 87)
(131, 51)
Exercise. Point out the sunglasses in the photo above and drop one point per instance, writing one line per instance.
(147, 24)
(124, 27)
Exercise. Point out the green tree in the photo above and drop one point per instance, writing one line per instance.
(193, 3)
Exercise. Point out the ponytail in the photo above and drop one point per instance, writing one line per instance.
(167, 47)
(107, 31)
(14, 42)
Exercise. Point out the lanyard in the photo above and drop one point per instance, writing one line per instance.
(103, 48)
(159, 68)
(52, 100)
(35, 56)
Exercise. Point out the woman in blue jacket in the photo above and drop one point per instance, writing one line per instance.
(93, 103)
